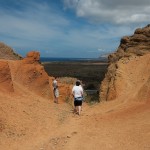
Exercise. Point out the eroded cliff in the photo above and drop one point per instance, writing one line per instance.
(27, 73)
(128, 75)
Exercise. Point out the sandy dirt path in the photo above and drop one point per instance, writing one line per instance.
(103, 127)
(34, 123)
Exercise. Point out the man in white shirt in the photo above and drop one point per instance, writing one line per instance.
(77, 92)
(55, 90)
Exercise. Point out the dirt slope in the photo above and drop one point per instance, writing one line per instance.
(6, 84)
(29, 122)
(7, 52)
(131, 81)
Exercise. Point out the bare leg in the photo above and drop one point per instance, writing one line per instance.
(56, 100)
(76, 109)
(54, 96)
(79, 110)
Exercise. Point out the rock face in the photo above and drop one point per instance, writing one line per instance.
(32, 57)
(28, 75)
(24, 74)
(5, 77)
(7, 52)
(128, 75)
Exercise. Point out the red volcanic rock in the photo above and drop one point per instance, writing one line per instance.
(5, 77)
(32, 57)
(129, 70)
(27, 73)
(30, 74)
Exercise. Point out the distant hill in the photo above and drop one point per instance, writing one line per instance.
(7, 52)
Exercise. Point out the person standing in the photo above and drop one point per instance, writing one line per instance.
(55, 90)
(77, 92)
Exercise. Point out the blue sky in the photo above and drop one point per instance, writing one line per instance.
(70, 28)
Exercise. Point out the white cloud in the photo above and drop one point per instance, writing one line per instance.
(112, 11)
(38, 25)
(71, 3)
(36, 22)
(35, 26)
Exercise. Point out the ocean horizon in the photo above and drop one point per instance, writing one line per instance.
(61, 59)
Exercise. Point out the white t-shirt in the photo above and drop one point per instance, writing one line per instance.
(77, 91)
(54, 83)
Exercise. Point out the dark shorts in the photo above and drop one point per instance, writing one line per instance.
(77, 103)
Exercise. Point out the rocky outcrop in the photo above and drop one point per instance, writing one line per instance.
(128, 74)
(32, 57)
(24, 74)
(30, 74)
(7, 52)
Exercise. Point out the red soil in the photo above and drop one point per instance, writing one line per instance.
(29, 120)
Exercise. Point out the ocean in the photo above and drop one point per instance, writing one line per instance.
(52, 59)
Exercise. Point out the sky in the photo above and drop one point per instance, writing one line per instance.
(70, 28)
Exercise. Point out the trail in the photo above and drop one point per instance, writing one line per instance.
(123, 127)
(43, 125)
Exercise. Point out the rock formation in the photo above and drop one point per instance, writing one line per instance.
(26, 73)
(30, 74)
(7, 52)
(26, 100)
(128, 74)
(5, 77)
